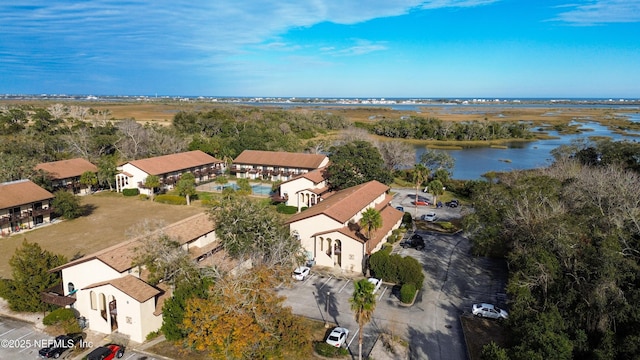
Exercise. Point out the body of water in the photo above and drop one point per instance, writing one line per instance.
(471, 163)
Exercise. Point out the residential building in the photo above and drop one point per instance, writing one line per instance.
(330, 232)
(112, 294)
(304, 190)
(168, 168)
(275, 165)
(23, 205)
(65, 174)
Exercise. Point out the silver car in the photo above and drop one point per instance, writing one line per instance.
(489, 311)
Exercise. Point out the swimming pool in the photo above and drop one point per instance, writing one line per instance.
(256, 189)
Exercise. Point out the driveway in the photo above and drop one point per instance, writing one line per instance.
(454, 280)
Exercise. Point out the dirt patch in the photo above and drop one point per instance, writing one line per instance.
(479, 332)
(108, 216)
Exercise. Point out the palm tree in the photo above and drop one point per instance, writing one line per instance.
(371, 221)
(420, 174)
(89, 179)
(363, 302)
(436, 188)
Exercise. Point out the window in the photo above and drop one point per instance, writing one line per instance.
(94, 301)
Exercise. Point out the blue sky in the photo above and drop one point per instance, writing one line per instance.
(322, 48)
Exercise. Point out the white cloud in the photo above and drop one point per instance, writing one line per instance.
(601, 12)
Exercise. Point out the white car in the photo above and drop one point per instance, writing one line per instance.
(489, 311)
(301, 272)
(338, 337)
(376, 284)
(430, 216)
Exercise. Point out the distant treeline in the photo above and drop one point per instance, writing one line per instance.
(435, 129)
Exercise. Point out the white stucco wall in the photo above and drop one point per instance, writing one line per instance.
(351, 251)
(85, 274)
(137, 175)
(309, 226)
(202, 241)
(134, 319)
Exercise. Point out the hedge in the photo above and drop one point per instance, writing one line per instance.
(58, 315)
(396, 269)
(324, 349)
(284, 209)
(407, 293)
(171, 199)
(130, 192)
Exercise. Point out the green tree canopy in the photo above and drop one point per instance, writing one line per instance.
(356, 163)
(89, 179)
(251, 230)
(186, 186)
(30, 267)
(67, 204)
(152, 182)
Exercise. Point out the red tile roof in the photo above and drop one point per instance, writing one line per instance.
(390, 217)
(315, 176)
(130, 285)
(120, 256)
(21, 192)
(344, 204)
(65, 169)
(175, 162)
(280, 159)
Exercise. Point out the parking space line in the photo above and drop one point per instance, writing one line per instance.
(382, 294)
(3, 334)
(344, 286)
(306, 280)
(29, 333)
(353, 337)
(325, 283)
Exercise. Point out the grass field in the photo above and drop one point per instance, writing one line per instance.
(107, 217)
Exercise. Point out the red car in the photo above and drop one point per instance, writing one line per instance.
(423, 203)
(107, 352)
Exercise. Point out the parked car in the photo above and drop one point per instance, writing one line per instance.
(60, 345)
(376, 284)
(453, 203)
(430, 216)
(489, 311)
(338, 337)
(422, 203)
(301, 272)
(400, 208)
(107, 352)
(415, 241)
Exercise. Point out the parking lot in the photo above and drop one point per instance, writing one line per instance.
(20, 340)
(454, 280)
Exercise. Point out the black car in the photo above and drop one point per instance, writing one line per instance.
(453, 203)
(415, 241)
(59, 345)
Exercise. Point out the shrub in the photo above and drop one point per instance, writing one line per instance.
(410, 271)
(284, 209)
(58, 315)
(395, 268)
(143, 197)
(324, 349)
(171, 199)
(407, 219)
(130, 192)
(407, 293)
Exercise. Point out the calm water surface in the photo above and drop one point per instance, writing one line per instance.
(471, 163)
